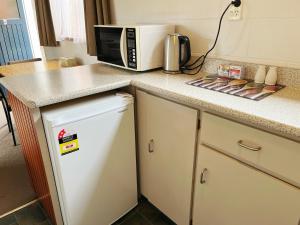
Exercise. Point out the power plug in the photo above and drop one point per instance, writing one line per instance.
(236, 3)
(235, 12)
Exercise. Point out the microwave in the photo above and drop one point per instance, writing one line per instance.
(133, 47)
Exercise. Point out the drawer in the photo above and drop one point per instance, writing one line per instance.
(275, 155)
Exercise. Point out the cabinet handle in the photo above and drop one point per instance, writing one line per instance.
(203, 176)
(151, 146)
(252, 148)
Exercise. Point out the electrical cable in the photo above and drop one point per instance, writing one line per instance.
(192, 66)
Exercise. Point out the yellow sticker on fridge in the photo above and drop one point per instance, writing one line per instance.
(68, 144)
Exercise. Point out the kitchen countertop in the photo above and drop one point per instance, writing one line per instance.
(50, 87)
(279, 112)
(29, 67)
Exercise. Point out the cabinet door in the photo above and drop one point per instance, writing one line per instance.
(167, 134)
(236, 194)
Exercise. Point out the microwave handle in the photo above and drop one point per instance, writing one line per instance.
(123, 48)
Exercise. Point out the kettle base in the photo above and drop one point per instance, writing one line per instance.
(172, 72)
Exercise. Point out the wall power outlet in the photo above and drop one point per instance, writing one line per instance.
(235, 13)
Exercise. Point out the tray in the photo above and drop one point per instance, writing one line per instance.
(244, 88)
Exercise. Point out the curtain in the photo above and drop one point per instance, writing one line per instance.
(45, 24)
(97, 12)
(68, 20)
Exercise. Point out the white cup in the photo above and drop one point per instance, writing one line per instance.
(260, 75)
(271, 78)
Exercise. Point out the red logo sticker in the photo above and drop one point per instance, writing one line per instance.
(61, 134)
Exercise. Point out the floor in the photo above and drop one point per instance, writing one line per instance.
(31, 215)
(15, 187)
(143, 214)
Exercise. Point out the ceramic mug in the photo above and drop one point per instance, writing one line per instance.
(260, 74)
(271, 78)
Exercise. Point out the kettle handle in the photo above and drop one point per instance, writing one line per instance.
(184, 41)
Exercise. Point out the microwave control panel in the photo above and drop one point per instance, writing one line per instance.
(131, 47)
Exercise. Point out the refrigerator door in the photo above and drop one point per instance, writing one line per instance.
(94, 164)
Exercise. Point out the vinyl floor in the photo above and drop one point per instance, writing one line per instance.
(144, 214)
(15, 185)
(31, 215)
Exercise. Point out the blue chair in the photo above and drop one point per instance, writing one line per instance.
(7, 110)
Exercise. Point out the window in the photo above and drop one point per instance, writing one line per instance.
(68, 20)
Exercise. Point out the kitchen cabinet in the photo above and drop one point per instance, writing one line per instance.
(228, 192)
(167, 137)
(268, 152)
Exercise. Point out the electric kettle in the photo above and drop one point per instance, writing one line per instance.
(177, 52)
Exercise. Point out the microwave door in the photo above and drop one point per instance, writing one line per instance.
(123, 47)
(109, 42)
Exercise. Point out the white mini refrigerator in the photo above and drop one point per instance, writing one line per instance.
(92, 151)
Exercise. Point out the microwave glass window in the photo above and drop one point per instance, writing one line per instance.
(108, 45)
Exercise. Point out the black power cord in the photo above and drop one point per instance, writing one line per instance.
(193, 66)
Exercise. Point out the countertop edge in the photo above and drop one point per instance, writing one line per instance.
(30, 104)
(83, 93)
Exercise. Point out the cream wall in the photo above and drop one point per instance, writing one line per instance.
(70, 49)
(268, 33)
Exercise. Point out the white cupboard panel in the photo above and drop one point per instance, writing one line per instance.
(236, 194)
(167, 134)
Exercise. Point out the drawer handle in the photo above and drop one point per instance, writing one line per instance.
(252, 148)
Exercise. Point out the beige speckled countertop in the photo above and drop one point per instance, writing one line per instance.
(278, 113)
